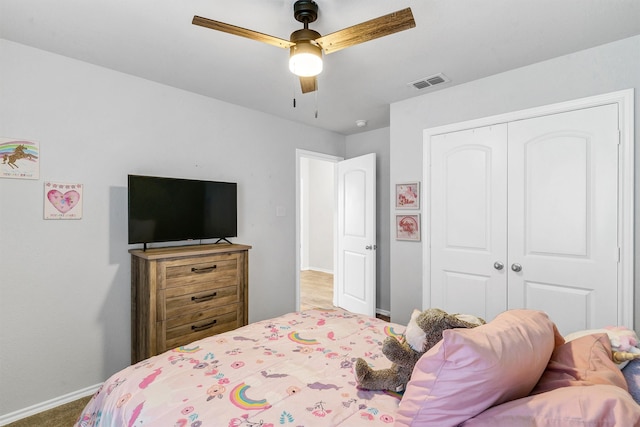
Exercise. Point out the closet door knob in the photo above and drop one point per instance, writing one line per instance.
(498, 265)
(516, 267)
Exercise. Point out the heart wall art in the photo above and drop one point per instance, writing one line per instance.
(62, 201)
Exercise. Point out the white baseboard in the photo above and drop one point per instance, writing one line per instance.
(49, 404)
(320, 269)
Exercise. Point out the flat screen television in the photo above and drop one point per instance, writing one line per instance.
(172, 209)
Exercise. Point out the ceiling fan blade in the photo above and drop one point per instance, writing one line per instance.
(378, 27)
(243, 32)
(308, 84)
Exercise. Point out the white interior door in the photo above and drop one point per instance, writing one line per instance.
(469, 221)
(356, 235)
(563, 199)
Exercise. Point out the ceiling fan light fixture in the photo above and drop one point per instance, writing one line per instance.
(305, 59)
(306, 46)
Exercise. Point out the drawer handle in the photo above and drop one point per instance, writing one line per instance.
(205, 297)
(203, 270)
(203, 327)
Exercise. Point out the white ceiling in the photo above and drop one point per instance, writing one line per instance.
(464, 39)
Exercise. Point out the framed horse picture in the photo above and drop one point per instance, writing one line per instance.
(19, 159)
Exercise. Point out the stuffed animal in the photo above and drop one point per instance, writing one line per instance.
(624, 342)
(423, 332)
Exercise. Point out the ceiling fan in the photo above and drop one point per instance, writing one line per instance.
(306, 45)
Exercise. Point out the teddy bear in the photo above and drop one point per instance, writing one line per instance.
(423, 332)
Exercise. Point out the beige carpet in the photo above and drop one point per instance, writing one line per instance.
(62, 416)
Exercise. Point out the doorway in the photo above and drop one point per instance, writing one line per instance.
(352, 233)
(315, 229)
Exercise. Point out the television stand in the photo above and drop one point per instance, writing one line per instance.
(181, 294)
(222, 239)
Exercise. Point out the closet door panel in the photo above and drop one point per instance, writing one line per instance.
(468, 221)
(562, 209)
(557, 195)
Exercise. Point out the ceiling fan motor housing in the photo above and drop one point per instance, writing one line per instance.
(304, 35)
(305, 11)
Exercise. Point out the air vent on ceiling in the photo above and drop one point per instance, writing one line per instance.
(429, 81)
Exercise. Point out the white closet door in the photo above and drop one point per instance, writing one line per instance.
(539, 196)
(469, 221)
(563, 198)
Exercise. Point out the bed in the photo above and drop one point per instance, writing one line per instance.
(297, 370)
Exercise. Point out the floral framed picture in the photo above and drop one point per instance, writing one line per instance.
(408, 227)
(408, 195)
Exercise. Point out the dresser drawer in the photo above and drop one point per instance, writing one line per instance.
(178, 303)
(185, 329)
(199, 318)
(210, 269)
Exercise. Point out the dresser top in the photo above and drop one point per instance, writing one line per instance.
(187, 251)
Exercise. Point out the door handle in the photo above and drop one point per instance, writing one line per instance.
(516, 267)
(371, 247)
(498, 265)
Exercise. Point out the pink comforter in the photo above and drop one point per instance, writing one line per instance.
(294, 370)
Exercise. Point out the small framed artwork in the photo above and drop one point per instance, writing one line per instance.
(408, 227)
(62, 201)
(19, 159)
(408, 195)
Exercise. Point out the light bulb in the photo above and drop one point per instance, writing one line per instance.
(305, 60)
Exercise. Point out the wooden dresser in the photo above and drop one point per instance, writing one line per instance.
(182, 294)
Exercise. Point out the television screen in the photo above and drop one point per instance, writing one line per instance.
(171, 209)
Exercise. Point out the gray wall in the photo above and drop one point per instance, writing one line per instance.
(64, 285)
(603, 69)
(321, 202)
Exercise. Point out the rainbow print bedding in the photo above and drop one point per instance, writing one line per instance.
(294, 370)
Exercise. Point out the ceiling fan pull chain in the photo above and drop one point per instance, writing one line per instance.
(295, 82)
(316, 96)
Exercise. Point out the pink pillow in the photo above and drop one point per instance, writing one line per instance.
(598, 405)
(473, 369)
(583, 361)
